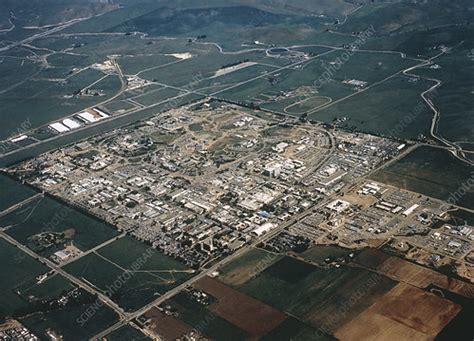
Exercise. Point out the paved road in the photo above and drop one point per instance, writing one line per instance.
(240, 252)
(42, 34)
(94, 249)
(21, 204)
(202, 274)
(185, 92)
(73, 279)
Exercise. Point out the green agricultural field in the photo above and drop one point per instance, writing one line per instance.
(48, 215)
(230, 79)
(201, 318)
(318, 253)
(118, 107)
(301, 106)
(65, 60)
(135, 249)
(112, 270)
(205, 65)
(154, 97)
(18, 268)
(42, 313)
(131, 293)
(109, 84)
(369, 67)
(41, 101)
(247, 266)
(12, 192)
(294, 329)
(136, 93)
(53, 287)
(99, 129)
(432, 172)
(71, 321)
(317, 295)
(132, 65)
(323, 77)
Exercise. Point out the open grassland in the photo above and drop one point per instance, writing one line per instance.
(432, 172)
(255, 317)
(48, 215)
(21, 268)
(160, 95)
(135, 249)
(12, 192)
(300, 107)
(393, 18)
(227, 25)
(41, 100)
(454, 97)
(116, 272)
(23, 298)
(48, 12)
(24, 69)
(384, 108)
(143, 35)
(71, 321)
(54, 286)
(245, 267)
(134, 64)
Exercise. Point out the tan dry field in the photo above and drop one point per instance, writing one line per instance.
(356, 199)
(413, 274)
(239, 275)
(422, 277)
(405, 311)
(243, 311)
(166, 326)
(416, 275)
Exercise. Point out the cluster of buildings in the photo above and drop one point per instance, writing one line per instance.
(415, 226)
(188, 183)
(13, 330)
(76, 121)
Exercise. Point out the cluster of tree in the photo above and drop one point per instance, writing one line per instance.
(200, 37)
(235, 64)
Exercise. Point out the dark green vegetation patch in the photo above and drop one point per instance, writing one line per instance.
(204, 320)
(131, 273)
(12, 192)
(324, 297)
(433, 172)
(47, 216)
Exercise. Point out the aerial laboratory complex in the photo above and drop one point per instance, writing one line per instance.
(236, 170)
